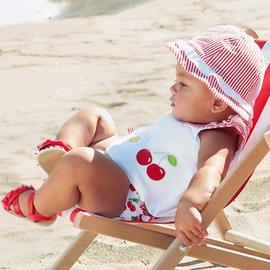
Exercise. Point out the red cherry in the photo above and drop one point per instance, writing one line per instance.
(144, 157)
(131, 187)
(131, 206)
(155, 172)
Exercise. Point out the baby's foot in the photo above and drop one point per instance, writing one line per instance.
(49, 152)
(20, 202)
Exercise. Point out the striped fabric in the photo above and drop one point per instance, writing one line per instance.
(235, 121)
(228, 61)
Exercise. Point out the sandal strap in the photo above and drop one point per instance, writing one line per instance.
(12, 199)
(16, 207)
(34, 215)
(49, 143)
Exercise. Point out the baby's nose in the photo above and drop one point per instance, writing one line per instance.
(172, 89)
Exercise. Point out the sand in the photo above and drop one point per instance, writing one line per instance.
(50, 70)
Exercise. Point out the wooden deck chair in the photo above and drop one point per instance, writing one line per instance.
(234, 249)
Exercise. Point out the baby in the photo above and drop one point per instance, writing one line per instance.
(167, 169)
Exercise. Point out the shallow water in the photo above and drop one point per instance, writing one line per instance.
(82, 8)
(18, 11)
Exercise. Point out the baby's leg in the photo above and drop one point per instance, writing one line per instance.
(84, 177)
(89, 127)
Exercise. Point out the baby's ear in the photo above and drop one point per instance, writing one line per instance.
(218, 106)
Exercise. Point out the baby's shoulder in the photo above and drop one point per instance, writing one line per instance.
(220, 137)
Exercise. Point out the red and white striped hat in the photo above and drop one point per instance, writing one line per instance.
(228, 61)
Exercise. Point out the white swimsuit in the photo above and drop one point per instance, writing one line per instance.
(161, 159)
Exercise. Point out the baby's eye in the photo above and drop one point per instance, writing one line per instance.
(182, 84)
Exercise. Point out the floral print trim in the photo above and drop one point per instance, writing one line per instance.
(135, 209)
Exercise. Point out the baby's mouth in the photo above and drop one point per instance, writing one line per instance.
(172, 103)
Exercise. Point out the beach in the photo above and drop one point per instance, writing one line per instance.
(118, 61)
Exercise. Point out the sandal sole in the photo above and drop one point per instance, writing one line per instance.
(39, 223)
(48, 157)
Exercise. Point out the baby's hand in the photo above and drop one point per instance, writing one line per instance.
(189, 226)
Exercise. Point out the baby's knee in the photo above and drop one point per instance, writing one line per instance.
(76, 160)
(91, 111)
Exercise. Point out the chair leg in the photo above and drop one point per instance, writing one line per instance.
(171, 257)
(74, 250)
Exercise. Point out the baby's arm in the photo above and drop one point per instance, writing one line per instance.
(216, 151)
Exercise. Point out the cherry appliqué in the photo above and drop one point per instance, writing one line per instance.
(131, 206)
(153, 170)
(144, 157)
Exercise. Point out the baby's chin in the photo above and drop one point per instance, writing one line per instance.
(186, 119)
(176, 116)
(180, 116)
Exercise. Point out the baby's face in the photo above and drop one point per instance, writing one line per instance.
(191, 101)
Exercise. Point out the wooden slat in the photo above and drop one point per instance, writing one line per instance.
(122, 230)
(234, 247)
(228, 257)
(248, 241)
(74, 251)
(167, 229)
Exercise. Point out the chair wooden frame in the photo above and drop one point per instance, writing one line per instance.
(234, 249)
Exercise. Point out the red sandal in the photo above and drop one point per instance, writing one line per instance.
(12, 199)
(51, 143)
(49, 152)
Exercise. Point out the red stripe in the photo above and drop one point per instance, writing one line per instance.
(260, 43)
(74, 213)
